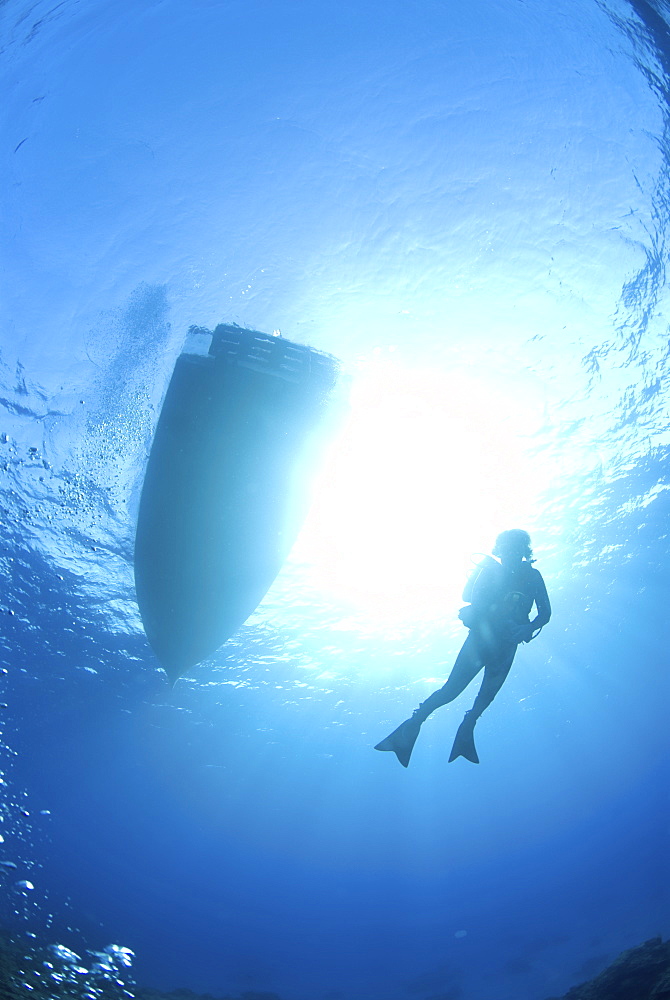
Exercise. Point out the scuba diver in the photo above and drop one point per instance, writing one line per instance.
(501, 593)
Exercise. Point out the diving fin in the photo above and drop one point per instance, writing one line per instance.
(464, 743)
(402, 740)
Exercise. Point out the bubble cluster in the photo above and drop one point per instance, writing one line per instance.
(57, 972)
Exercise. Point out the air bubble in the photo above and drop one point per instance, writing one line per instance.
(60, 951)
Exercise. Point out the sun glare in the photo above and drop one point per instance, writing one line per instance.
(427, 469)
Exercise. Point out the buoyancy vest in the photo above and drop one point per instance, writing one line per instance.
(500, 596)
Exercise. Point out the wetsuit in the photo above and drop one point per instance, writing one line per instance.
(501, 601)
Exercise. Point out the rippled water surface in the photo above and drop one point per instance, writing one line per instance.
(467, 204)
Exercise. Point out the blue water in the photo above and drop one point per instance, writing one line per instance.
(468, 205)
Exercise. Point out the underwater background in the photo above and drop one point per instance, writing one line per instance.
(467, 204)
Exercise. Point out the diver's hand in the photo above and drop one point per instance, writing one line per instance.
(522, 633)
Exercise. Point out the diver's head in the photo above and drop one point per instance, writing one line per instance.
(513, 544)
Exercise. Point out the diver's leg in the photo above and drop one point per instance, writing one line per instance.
(468, 664)
(495, 674)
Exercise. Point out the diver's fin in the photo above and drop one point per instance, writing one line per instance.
(402, 740)
(464, 743)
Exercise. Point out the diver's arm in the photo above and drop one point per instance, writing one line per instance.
(541, 603)
(528, 631)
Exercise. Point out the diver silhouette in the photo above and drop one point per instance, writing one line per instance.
(501, 594)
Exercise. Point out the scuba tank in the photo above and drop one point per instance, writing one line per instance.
(483, 564)
(468, 614)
